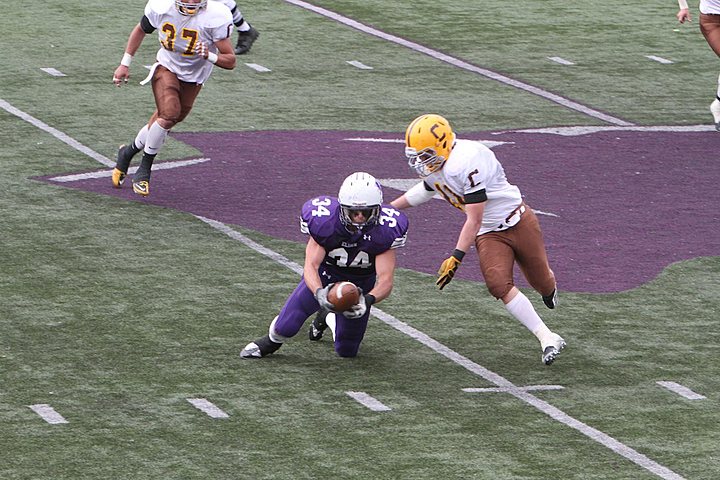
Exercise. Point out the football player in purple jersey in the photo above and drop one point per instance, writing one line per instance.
(352, 238)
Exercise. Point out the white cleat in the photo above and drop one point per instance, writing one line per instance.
(251, 350)
(552, 349)
(715, 110)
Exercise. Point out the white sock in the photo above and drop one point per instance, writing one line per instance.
(141, 138)
(521, 308)
(274, 336)
(718, 90)
(156, 136)
(331, 323)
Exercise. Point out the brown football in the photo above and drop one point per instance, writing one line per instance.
(343, 295)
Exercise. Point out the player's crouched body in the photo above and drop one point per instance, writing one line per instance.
(352, 238)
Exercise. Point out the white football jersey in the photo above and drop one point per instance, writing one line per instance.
(178, 35)
(228, 3)
(473, 167)
(710, 6)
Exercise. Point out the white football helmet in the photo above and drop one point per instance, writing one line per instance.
(189, 8)
(360, 192)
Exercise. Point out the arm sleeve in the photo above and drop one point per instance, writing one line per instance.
(146, 25)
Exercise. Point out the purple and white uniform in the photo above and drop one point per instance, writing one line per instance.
(348, 256)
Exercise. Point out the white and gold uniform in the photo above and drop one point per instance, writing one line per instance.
(179, 34)
(472, 168)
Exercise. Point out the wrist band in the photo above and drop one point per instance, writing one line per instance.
(683, 4)
(212, 57)
(369, 299)
(459, 254)
(126, 60)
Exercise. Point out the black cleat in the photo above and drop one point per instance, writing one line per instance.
(551, 300)
(318, 326)
(262, 347)
(245, 41)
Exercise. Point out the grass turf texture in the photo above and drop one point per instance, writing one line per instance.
(115, 313)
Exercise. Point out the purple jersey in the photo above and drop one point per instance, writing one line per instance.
(351, 254)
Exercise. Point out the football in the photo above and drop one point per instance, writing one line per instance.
(343, 295)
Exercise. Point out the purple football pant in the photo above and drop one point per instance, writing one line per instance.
(301, 304)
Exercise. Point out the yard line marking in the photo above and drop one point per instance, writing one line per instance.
(48, 413)
(487, 143)
(456, 62)
(560, 60)
(359, 65)
(53, 72)
(258, 68)
(681, 390)
(576, 131)
(664, 61)
(492, 377)
(507, 390)
(131, 170)
(56, 133)
(207, 407)
(368, 401)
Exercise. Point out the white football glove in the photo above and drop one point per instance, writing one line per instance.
(358, 310)
(321, 297)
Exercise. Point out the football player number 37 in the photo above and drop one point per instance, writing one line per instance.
(170, 32)
(321, 210)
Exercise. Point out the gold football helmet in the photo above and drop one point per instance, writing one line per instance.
(428, 142)
(189, 8)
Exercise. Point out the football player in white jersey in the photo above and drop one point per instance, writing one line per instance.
(194, 36)
(710, 28)
(247, 34)
(502, 227)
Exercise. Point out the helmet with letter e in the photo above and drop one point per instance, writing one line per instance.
(429, 139)
(360, 193)
(189, 8)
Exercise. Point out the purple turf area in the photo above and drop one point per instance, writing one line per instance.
(627, 203)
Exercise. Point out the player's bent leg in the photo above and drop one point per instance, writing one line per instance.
(349, 334)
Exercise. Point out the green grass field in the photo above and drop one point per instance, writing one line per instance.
(115, 313)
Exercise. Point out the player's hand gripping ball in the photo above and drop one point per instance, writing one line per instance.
(343, 296)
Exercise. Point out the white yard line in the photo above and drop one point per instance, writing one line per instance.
(48, 413)
(456, 62)
(681, 390)
(662, 60)
(107, 173)
(207, 407)
(258, 68)
(506, 390)
(54, 72)
(368, 401)
(359, 65)
(560, 60)
(492, 377)
(56, 133)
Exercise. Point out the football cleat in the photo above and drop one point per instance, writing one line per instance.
(142, 187)
(551, 301)
(245, 41)
(118, 177)
(715, 110)
(261, 347)
(553, 349)
(318, 326)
